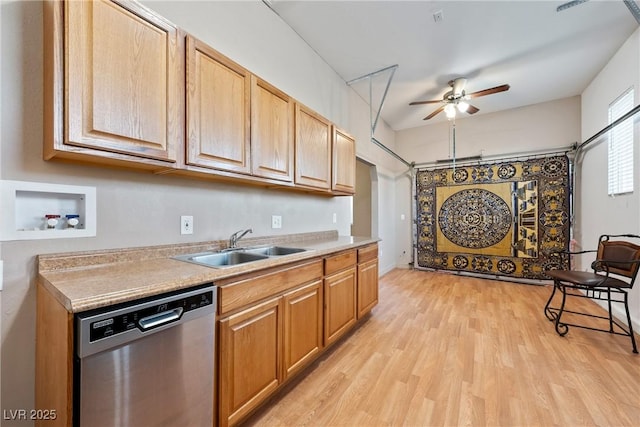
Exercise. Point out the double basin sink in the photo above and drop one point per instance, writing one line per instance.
(231, 257)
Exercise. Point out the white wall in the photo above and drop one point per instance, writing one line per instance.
(546, 126)
(139, 209)
(597, 213)
(383, 186)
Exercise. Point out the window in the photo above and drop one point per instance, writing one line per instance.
(621, 146)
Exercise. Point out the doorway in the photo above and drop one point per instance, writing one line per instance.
(364, 223)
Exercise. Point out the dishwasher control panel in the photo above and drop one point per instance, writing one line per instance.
(132, 319)
(137, 318)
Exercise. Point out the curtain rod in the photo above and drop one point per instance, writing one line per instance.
(389, 151)
(607, 128)
(560, 150)
(375, 73)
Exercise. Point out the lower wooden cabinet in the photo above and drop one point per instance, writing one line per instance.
(275, 323)
(277, 333)
(272, 324)
(340, 304)
(302, 326)
(367, 286)
(250, 359)
(367, 279)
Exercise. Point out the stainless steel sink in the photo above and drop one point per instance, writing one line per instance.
(222, 259)
(231, 257)
(275, 250)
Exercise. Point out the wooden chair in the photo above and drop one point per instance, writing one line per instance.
(613, 276)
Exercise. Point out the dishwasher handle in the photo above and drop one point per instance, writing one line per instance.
(160, 318)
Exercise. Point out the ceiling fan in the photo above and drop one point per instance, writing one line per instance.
(457, 98)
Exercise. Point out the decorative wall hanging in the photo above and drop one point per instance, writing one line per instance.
(501, 219)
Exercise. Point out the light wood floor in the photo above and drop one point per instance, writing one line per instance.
(442, 350)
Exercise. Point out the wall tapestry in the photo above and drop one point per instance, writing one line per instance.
(501, 219)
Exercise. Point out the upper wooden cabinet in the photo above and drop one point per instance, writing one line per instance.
(114, 84)
(218, 110)
(125, 87)
(313, 149)
(272, 120)
(344, 163)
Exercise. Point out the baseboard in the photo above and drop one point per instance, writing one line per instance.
(385, 269)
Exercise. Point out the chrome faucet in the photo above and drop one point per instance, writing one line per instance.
(235, 237)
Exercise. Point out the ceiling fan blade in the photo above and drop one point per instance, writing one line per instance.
(438, 110)
(425, 102)
(490, 91)
(472, 110)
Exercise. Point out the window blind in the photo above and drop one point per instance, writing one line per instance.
(620, 171)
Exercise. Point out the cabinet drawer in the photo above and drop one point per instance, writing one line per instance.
(339, 262)
(239, 292)
(367, 253)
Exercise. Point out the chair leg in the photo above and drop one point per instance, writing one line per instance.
(610, 313)
(547, 311)
(561, 328)
(633, 338)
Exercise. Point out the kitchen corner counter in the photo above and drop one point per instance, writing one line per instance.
(83, 281)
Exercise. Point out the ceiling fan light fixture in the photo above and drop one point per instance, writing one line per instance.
(450, 111)
(453, 101)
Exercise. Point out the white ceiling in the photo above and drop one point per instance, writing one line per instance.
(543, 54)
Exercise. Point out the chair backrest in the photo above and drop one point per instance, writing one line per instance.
(618, 256)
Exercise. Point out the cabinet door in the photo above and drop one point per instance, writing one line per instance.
(302, 326)
(344, 163)
(313, 149)
(340, 304)
(367, 286)
(124, 84)
(272, 116)
(218, 110)
(249, 365)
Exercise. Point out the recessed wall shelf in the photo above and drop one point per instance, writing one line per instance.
(26, 205)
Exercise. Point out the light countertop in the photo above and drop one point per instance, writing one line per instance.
(83, 281)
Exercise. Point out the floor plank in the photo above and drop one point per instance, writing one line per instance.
(445, 350)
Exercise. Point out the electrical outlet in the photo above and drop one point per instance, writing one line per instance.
(276, 221)
(335, 218)
(186, 224)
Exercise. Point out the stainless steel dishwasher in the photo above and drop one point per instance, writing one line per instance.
(147, 363)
